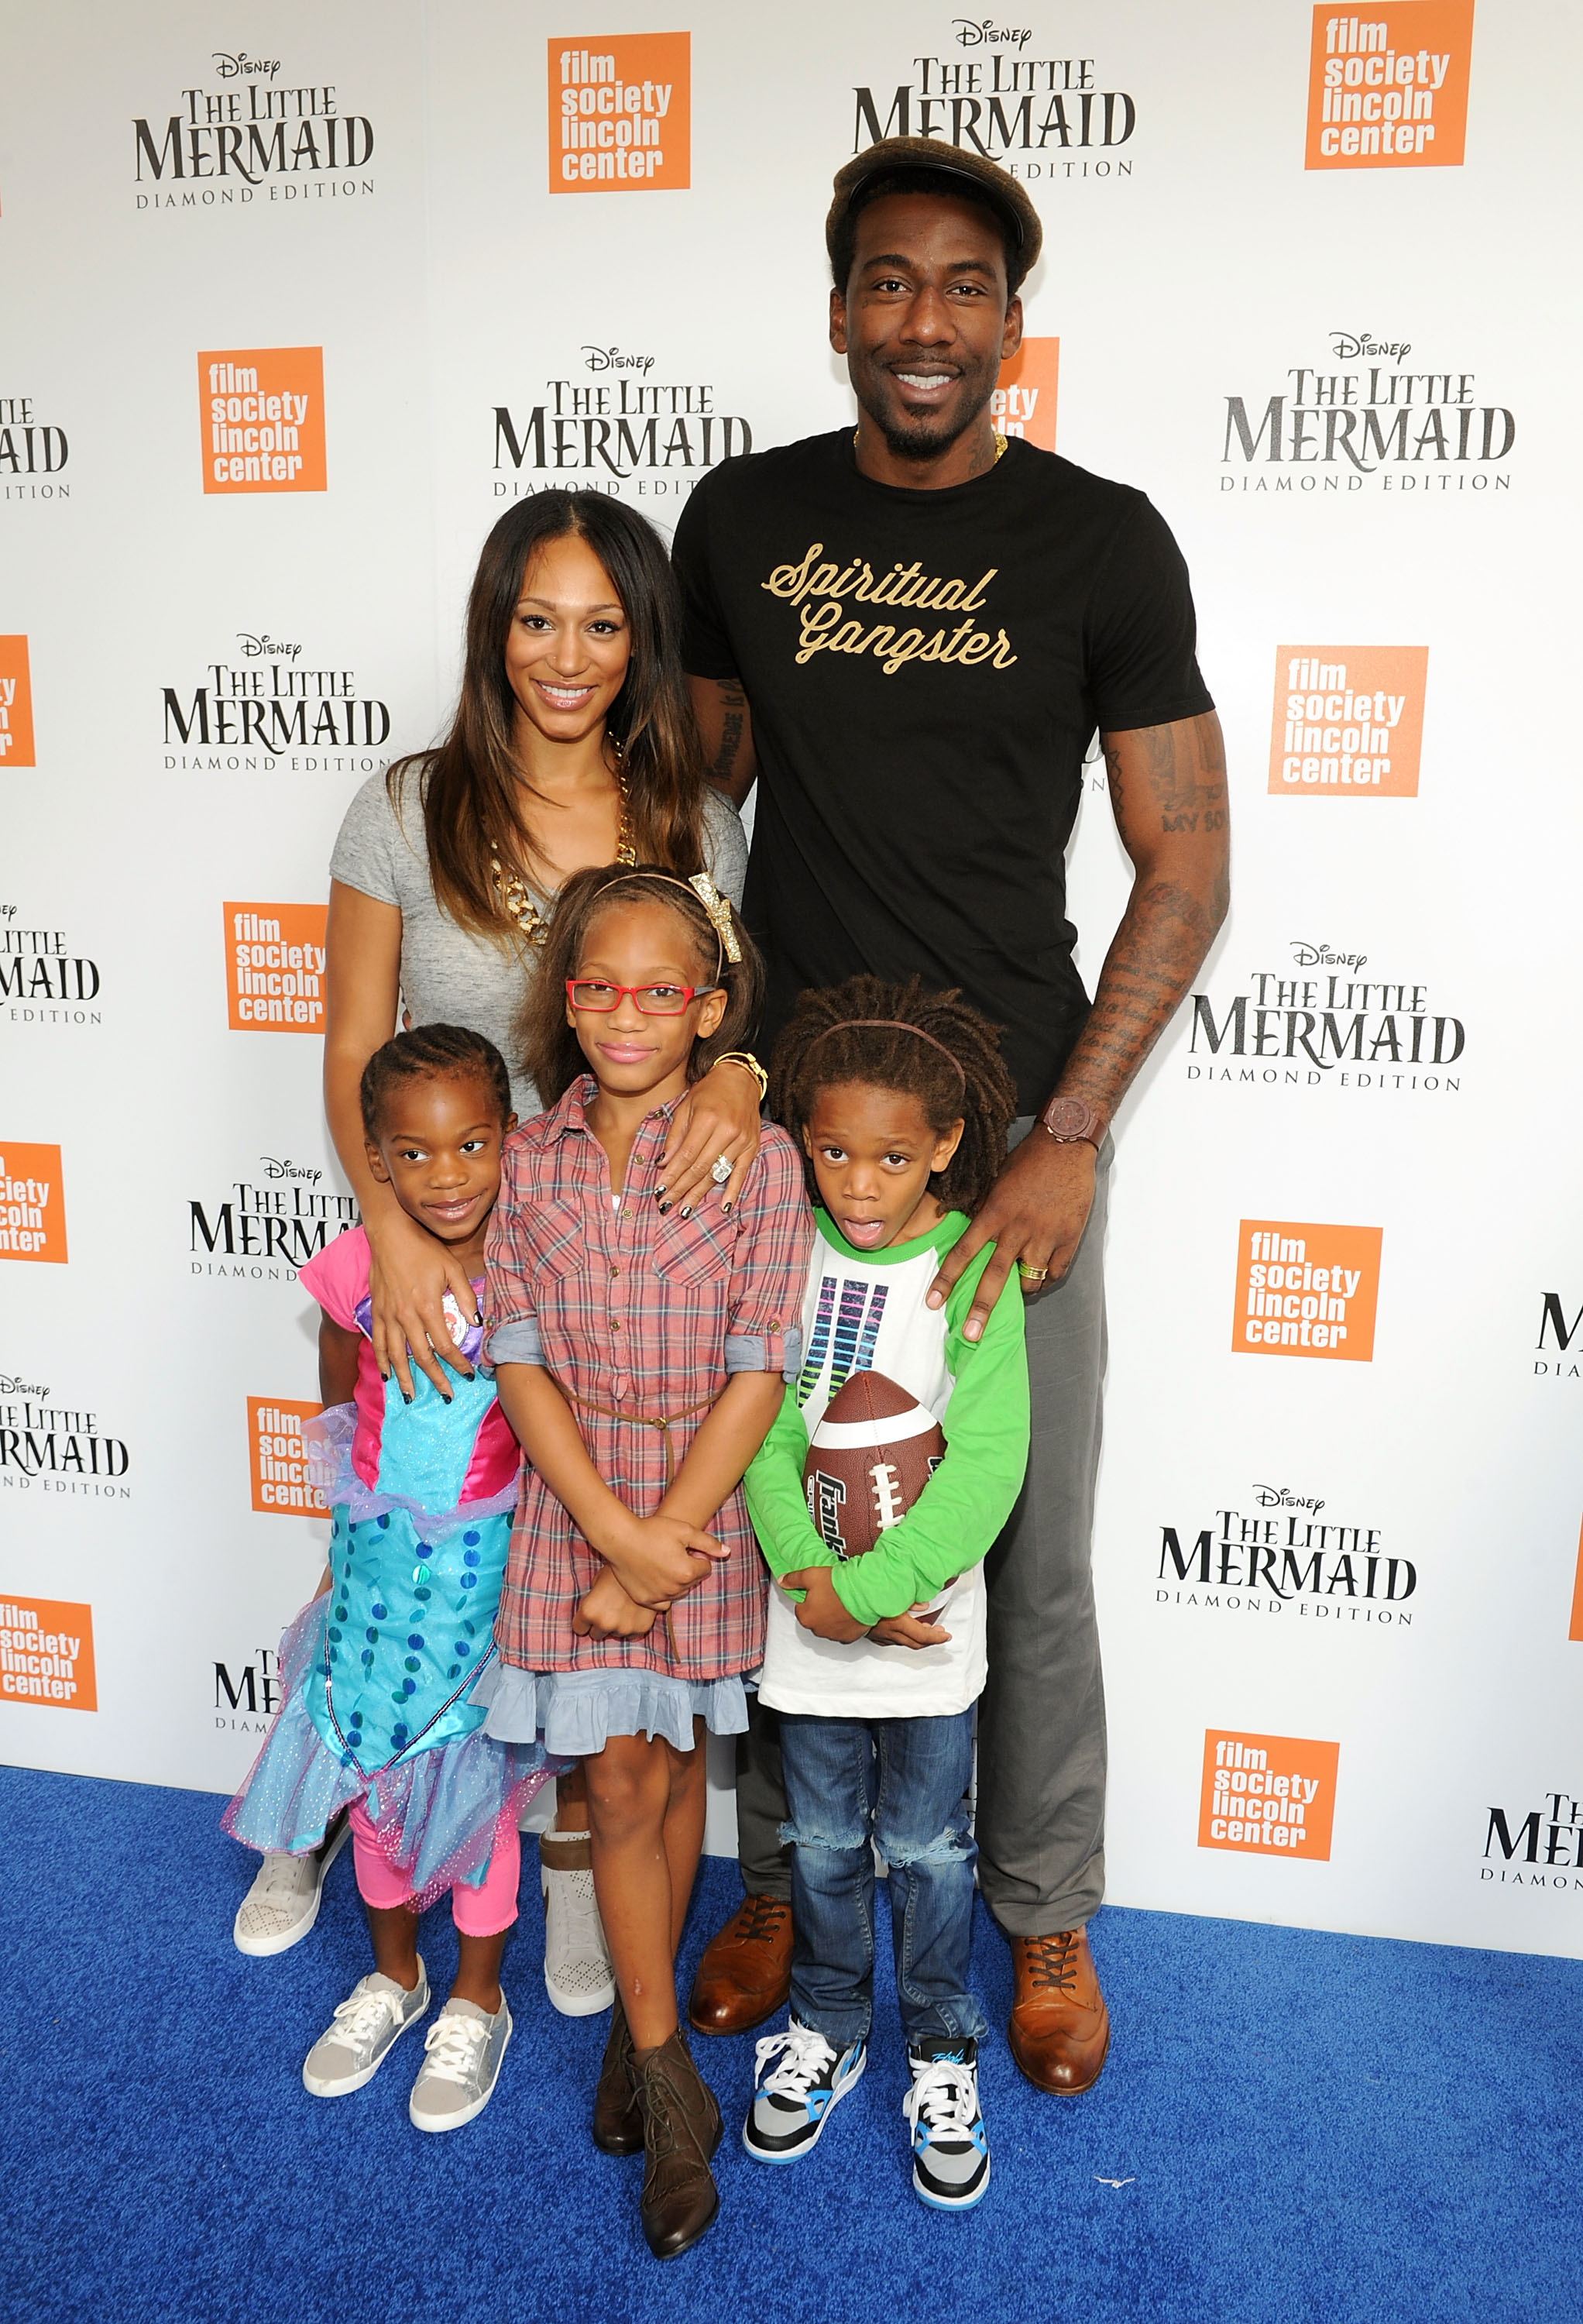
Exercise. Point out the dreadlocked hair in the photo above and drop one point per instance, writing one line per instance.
(810, 1056)
(433, 1053)
(547, 1044)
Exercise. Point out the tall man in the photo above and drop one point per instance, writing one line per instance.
(907, 635)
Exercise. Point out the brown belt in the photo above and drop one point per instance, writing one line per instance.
(646, 1420)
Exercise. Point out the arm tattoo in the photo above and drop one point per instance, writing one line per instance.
(734, 702)
(1178, 899)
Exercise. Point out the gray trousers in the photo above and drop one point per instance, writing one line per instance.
(1040, 1794)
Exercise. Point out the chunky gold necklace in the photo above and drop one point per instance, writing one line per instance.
(999, 442)
(516, 897)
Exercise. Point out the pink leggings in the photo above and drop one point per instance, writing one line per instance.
(481, 1912)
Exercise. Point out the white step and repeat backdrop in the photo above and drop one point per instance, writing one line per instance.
(288, 325)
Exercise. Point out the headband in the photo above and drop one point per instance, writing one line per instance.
(894, 1025)
(703, 891)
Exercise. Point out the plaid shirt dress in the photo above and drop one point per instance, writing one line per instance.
(639, 1318)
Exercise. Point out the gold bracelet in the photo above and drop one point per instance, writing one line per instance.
(750, 1064)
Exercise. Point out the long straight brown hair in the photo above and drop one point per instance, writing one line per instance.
(472, 789)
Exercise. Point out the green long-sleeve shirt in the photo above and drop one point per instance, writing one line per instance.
(978, 1389)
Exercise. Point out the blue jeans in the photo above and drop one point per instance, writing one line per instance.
(900, 1784)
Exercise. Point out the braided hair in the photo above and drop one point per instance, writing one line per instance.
(810, 1056)
(550, 1049)
(433, 1053)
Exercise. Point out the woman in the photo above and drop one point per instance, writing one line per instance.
(573, 744)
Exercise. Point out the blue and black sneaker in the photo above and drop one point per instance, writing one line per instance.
(951, 2152)
(797, 2078)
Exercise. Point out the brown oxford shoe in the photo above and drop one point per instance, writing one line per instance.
(745, 1974)
(617, 2120)
(1060, 2027)
(681, 2130)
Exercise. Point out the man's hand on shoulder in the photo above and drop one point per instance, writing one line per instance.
(1036, 1211)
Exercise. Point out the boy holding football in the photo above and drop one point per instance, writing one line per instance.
(875, 1653)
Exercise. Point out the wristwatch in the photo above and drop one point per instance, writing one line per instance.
(1068, 1120)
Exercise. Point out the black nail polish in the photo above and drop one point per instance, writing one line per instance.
(657, 1192)
(663, 1209)
(405, 1398)
(686, 1210)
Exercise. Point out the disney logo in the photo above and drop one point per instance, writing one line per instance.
(612, 359)
(273, 1169)
(975, 33)
(10, 1384)
(1349, 345)
(242, 67)
(1319, 956)
(1280, 1497)
(263, 643)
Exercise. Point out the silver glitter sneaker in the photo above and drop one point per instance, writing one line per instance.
(360, 2036)
(462, 2055)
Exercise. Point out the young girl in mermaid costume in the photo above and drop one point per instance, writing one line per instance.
(378, 1671)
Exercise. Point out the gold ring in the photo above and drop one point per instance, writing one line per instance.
(1031, 1274)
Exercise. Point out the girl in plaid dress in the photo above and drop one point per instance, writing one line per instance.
(640, 1352)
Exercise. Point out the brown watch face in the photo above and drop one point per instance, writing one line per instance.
(1067, 1118)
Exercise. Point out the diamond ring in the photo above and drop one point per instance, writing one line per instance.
(720, 1168)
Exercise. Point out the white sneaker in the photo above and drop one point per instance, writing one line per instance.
(360, 2036)
(577, 1961)
(282, 1904)
(462, 2054)
(951, 2152)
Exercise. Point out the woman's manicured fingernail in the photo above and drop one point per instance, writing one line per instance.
(686, 1210)
(726, 1209)
(405, 1398)
(664, 1209)
(659, 1189)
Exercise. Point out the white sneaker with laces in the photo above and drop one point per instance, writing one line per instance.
(462, 2054)
(577, 1961)
(798, 2079)
(360, 2036)
(282, 1904)
(950, 2147)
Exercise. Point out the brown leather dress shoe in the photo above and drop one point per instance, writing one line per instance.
(1060, 2027)
(681, 2130)
(745, 1974)
(618, 2120)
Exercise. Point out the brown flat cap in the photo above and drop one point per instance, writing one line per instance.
(982, 180)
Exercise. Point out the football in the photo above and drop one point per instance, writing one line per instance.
(868, 1460)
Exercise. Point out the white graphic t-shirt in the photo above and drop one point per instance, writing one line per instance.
(865, 1311)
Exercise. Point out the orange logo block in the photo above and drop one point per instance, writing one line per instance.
(47, 1653)
(280, 1483)
(262, 413)
(1306, 1290)
(32, 1207)
(1024, 403)
(16, 704)
(275, 967)
(1388, 89)
(1576, 1632)
(1348, 720)
(620, 112)
(1267, 1791)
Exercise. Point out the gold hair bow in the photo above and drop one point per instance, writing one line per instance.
(720, 913)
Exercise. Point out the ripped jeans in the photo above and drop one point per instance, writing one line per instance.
(899, 1785)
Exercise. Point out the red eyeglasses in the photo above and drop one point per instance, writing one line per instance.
(649, 1000)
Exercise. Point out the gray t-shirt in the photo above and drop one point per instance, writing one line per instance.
(449, 976)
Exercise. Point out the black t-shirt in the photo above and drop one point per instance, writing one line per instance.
(925, 671)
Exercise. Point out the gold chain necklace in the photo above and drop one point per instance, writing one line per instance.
(516, 899)
(999, 442)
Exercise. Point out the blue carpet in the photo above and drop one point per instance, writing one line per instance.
(1306, 2127)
